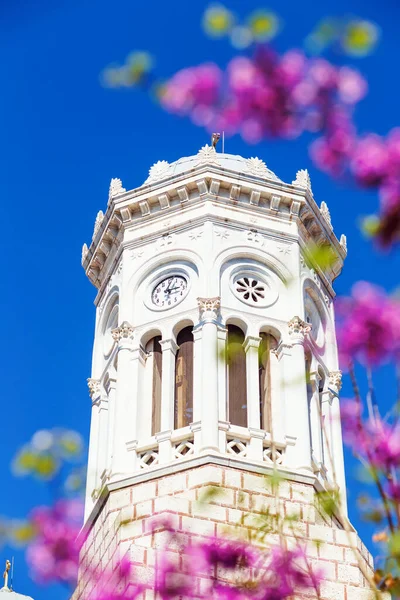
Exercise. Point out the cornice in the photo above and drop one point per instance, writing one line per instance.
(268, 199)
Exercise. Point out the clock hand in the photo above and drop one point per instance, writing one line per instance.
(168, 287)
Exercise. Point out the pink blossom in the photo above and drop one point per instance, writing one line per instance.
(286, 574)
(370, 161)
(53, 556)
(375, 439)
(352, 87)
(369, 325)
(192, 87)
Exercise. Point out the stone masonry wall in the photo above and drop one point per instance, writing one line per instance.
(126, 524)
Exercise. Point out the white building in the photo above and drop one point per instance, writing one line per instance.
(215, 355)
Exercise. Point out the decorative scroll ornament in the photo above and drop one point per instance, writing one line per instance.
(303, 179)
(343, 242)
(257, 167)
(325, 213)
(115, 188)
(297, 327)
(123, 332)
(158, 171)
(85, 251)
(207, 154)
(97, 223)
(209, 307)
(335, 380)
(94, 387)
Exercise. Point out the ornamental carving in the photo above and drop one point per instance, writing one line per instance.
(324, 210)
(165, 240)
(223, 234)
(256, 166)
(207, 154)
(298, 327)
(85, 251)
(209, 307)
(97, 223)
(123, 332)
(335, 379)
(195, 235)
(253, 236)
(115, 188)
(158, 171)
(303, 179)
(94, 387)
(284, 248)
(343, 242)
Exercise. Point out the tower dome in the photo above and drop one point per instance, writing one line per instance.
(208, 156)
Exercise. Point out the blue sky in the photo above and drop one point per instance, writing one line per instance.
(64, 137)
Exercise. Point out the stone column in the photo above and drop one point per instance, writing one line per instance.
(296, 403)
(91, 478)
(315, 421)
(125, 403)
(110, 389)
(223, 425)
(209, 308)
(277, 413)
(197, 389)
(103, 440)
(169, 349)
(255, 450)
(334, 434)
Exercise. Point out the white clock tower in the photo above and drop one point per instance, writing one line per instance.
(214, 360)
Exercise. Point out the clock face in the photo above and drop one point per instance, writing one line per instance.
(170, 291)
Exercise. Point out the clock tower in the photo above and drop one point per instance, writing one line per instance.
(214, 362)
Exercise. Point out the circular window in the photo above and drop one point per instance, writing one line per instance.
(250, 289)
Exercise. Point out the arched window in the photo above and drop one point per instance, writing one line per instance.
(236, 376)
(266, 379)
(183, 413)
(153, 347)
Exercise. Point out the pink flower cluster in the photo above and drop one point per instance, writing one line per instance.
(368, 326)
(264, 96)
(283, 96)
(53, 555)
(281, 572)
(375, 439)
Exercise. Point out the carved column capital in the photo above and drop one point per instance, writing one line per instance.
(94, 388)
(123, 333)
(209, 308)
(298, 329)
(335, 380)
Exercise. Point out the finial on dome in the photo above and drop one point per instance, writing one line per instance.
(215, 139)
(115, 188)
(303, 179)
(85, 251)
(325, 213)
(5, 576)
(98, 222)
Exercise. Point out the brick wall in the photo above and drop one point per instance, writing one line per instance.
(126, 524)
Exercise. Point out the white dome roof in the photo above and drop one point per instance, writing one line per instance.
(11, 595)
(208, 156)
